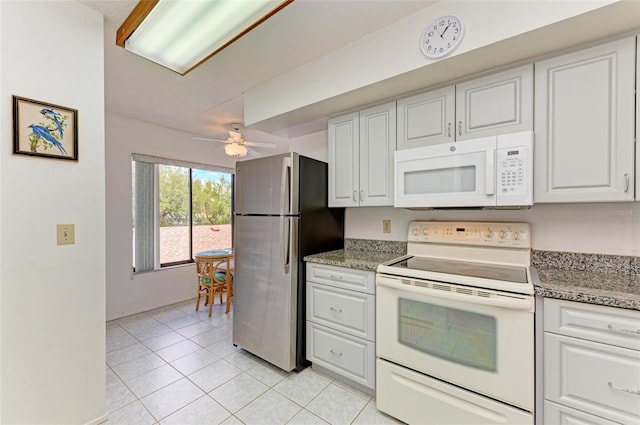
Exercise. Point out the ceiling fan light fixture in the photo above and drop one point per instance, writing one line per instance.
(181, 35)
(236, 150)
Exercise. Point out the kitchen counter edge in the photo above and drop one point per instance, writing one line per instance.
(352, 259)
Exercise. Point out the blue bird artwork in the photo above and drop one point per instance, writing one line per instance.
(43, 132)
(56, 119)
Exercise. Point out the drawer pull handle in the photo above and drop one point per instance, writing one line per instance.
(627, 331)
(337, 310)
(335, 277)
(337, 353)
(624, 390)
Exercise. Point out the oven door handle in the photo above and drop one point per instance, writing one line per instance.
(502, 302)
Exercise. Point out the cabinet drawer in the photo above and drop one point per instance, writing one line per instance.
(348, 311)
(608, 325)
(347, 355)
(562, 415)
(591, 377)
(341, 277)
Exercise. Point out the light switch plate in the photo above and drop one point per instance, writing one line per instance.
(66, 234)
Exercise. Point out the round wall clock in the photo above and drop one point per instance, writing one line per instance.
(441, 36)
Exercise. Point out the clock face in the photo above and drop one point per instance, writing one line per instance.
(441, 36)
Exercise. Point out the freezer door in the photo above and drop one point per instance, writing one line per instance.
(267, 186)
(266, 288)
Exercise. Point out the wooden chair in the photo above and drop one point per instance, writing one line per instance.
(210, 281)
(225, 266)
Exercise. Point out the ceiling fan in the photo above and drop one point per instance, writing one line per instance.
(236, 146)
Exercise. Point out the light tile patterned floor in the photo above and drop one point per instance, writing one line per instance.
(173, 365)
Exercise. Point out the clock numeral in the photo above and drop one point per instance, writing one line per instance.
(454, 24)
(454, 38)
(441, 23)
(448, 45)
(427, 41)
(429, 48)
(441, 50)
(456, 30)
(435, 27)
(430, 33)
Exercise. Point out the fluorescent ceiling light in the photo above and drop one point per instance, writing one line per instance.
(181, 34)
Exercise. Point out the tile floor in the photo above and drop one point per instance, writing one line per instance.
(173, 365)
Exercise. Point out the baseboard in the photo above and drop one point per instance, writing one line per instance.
(99, 420)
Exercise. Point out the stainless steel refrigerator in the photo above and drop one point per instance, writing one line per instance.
(280, 216)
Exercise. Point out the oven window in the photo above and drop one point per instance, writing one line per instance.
(459, 336)
(443, 180)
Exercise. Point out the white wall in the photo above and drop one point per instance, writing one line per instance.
(127, 293)
(52, 298)
(602, 228)
(313, 145)
(394, 51)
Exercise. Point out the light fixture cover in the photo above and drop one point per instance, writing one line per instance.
(235, 149)
(182, 34)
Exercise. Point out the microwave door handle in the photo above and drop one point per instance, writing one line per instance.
(490, 171)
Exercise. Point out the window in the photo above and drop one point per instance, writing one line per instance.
(179, 209)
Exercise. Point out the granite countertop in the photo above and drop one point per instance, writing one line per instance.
(592, 287)
(352, 258)
(609, 280)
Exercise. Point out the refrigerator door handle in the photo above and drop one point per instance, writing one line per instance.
(285, 232)
(285, 186)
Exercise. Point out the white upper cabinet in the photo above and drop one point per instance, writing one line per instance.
(344, 161)
(584, 125)
(426, 118)
(495, 104)
(638, 119)
(361, 147)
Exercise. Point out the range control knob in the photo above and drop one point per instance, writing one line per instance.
(416, 231)
(516, 236)
(426, 231)
(502, 234)
(488, 233)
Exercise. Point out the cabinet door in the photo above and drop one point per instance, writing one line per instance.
(584, 147)
(562, 415)
(496, 104)
(426, 119)
(377, 144)
(344, 172)
(599, 379)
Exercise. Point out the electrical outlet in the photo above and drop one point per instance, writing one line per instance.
(386, 226)
(66, 234)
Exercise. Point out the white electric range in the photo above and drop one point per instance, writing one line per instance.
(455, 325)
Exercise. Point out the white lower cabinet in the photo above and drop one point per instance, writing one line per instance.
(590, 364)
(341, 321)
(562, 415)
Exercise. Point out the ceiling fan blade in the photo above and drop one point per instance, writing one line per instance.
(261, 144)
(211, 140)
(253, 152)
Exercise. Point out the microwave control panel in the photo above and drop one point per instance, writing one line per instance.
(511, 170)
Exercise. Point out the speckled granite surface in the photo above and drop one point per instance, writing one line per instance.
(361, 254)
(611, 280)
(614, 290)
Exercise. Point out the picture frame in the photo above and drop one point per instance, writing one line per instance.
(44, 129)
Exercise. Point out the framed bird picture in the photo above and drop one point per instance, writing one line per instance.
(44, 129)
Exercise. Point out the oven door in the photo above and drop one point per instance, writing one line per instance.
(461, 174)
(478, 339)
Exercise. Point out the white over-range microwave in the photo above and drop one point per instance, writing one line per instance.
(485, 172)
